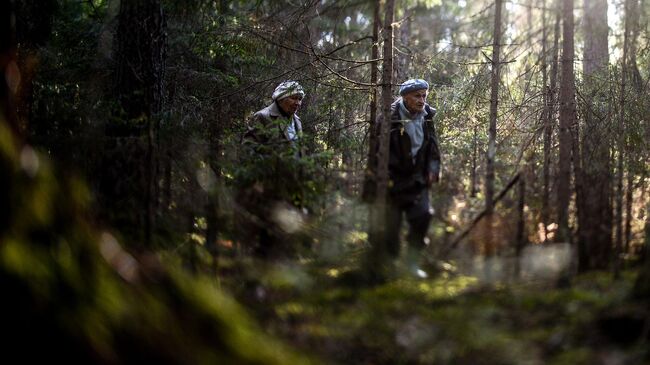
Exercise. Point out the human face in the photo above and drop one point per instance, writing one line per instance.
(290, 104)
(415, 100)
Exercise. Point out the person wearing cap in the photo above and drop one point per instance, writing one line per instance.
(414, 165)
(278, 122)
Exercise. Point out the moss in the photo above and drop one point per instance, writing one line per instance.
(84, 299)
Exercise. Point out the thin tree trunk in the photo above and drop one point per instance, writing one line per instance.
(492, 131)
(567, 119)
(387, 100)
(646, 227)
(549, 126)
(214, 225)
(378, 214)
(473, 173)
(8, 89)
(579, 188)
(642, 285)
(346, 154)
(629, 195)
(370, 183)
(403, 57)
(521, 223)
(622, 148)
(546, 122)
(633, 18)
(140, 58)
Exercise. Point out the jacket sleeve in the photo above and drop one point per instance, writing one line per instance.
(254, 134)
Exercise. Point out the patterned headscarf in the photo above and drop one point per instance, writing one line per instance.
(286, 89)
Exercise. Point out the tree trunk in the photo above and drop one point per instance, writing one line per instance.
(139, 57)
(473, 173)
(567, 119)
(622, 146)
(642, 285)
(629, 194)
(492, 131)
(9, 75)
(370, 183)
(387, 100)
(549, 126)
(378, 214)
(520, 239)
(546, 122)
(215, 134)
(595, 227)
(346, 155)
(579, 187)
(33, 22)
(404, 52)
(633, 19)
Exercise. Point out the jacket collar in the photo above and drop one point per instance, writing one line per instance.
(274, 111)
(395, 107)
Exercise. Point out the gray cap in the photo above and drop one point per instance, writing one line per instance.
(413, 85)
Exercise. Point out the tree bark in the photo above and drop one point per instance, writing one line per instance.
(633, 19)
(387, 100)
(378, 214)
(9, 76)
(404, 52)
(622, 146)
(520, 239)
(549, 124)
(33, 23)
(473, 173)
(370, 183)
(629, 194)
(642, 285)
(139, 73)
(492, 131)
(595, 227)
(567, 119)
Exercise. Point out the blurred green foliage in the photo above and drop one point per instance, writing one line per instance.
(450, 319)
(73, 294)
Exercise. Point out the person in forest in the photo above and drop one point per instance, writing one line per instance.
(272, 194)
(278, 122)
(413, 166)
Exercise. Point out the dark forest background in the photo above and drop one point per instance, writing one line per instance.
(128, 234)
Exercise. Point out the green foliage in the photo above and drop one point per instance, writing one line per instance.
(449, 319)
(281, 170)
(83, 299)
(223, 60)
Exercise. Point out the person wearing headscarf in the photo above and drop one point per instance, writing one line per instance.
(278, 122)
(273, 196)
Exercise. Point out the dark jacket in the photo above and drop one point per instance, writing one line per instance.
(408, 178)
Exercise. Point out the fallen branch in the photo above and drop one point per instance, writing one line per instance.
(476, 219)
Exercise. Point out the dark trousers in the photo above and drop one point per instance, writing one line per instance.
(418, 214)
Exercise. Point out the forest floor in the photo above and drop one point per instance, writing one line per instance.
(448, 318)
